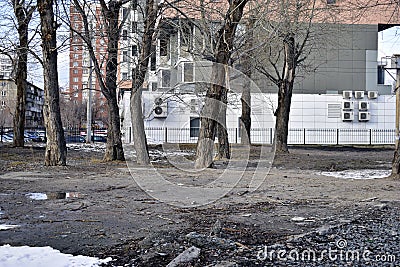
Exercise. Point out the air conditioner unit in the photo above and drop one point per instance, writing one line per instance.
(161, 111)
(359, 94)
(363, 105)
(372, 94)
(347, 105)
(347, 115)
(347, 94)
(364, 116)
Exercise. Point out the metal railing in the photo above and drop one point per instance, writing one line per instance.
(297, 136)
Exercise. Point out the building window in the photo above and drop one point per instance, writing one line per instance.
(75, 71)
(134, 4)
(85, 71)
(331, 1)
(381, 75)
(153, 61)
(185, 34)
(75, 64)
(164, 47)
(165, 78)
(3, 93)
(75, 87)
(124, 12)
(134, 26)
(153, 86)
(124, 76)
(75, 79)
(188, 72)
(125, 56)
(194, 127)
(134, 50)
(124, 35)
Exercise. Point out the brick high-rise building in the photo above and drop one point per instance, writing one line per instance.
(80, 64)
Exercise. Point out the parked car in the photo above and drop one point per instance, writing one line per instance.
(98, 138)
(75, 139)
(6, 138)
(33, 136)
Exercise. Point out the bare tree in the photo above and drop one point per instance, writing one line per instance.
(246, 60)
(217, 92)
(110, 12)
(23, 12)
(56, 151)
(72, 113)
(292, 36)
(138, 77)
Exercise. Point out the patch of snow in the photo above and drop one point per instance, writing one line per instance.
(6, 227)
(37, 196)
(298, 219)
(96, 147)
(358, 174)
(44, 257)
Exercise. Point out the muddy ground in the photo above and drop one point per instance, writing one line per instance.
(106, 214)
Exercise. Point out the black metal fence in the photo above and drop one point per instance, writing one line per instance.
(73, 134)
(297, 136)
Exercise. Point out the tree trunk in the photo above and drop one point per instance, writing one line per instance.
(396, 164)
(19, 114)
(139, 135)
(56, 151)
(139, 74)
(396, 156)
(223, 149)
(210, 117)
(114, 149)
(285, 96)
(245, 118)
(210, 112)
(23, 15)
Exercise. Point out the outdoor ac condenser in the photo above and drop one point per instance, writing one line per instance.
(347, 115)
(347, 94)
(347, 105)
(364, 116)
(363, 105)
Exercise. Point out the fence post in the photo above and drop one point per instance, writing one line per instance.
(270, 136)
(236, 135)
(370, 136)
(304, 136)
(1, 133)
(337, 136)
(166, 135)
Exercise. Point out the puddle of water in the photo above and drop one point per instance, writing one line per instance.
(7, 226)
(54, 195)
(359, 174)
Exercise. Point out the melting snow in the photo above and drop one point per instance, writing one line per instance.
(6, 227)
(358, 174)
(44, 257)
(94, 147)
(37, 196)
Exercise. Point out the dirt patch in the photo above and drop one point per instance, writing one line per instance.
(111, 216)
